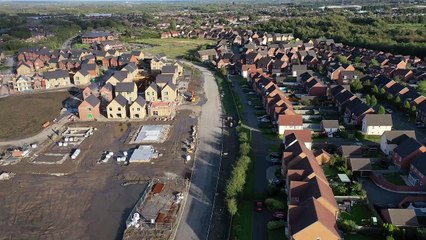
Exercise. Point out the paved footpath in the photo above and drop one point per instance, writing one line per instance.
(196, 216)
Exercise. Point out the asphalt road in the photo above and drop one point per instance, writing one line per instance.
(260, 149)
(196, 216)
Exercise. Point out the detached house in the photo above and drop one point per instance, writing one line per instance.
(119, 76)
(329, 127)
(206, 55)
(376, 124)
(82, 77)
(89, 108)
(92, 89)
(138, 108)
(106, 92)
(405, 153)
(117, 108)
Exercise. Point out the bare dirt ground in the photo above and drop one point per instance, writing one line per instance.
(88, 201)
(23, 115)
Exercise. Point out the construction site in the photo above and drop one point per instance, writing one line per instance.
(157, 212)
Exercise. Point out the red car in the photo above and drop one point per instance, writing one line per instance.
(259, 206)
(279, 215)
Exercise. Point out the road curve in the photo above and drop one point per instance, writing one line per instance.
(196, 216)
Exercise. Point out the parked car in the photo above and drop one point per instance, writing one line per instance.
(276, 154)
(280, 215)
(388, 110)
(259, 206)
(251, 93)
(258, 107)
(274, 160)
(264, 120)
(249, 103)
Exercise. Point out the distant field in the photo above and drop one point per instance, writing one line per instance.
(172, 47)
(24, 115)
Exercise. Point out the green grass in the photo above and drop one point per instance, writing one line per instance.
(358, 213)
(277, 234)
(395, 179)
(81, 46)
(242, 221)
(172, 47)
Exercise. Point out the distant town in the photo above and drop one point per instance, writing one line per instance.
(213, 121)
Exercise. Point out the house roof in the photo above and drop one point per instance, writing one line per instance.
(299, 135)
(120, 75)
(207, 52)
(163, 78)
(360, 164)
(378, 119)
(400, 216)
(395, 89)
(122, 101)
(168, 69)
(290, 120)
(92, 100)
(56, 74)
(420, 163)
(351, 150)
(125, 87)
(330, 123)
(407, 147)
(312, 211)
(343, 96)
(314, 187)
(140, 100)
(398, 136)
(95, 34)
(107, 86)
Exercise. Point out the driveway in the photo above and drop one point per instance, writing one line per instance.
(196, 217)
(379, 196)
(260, 148)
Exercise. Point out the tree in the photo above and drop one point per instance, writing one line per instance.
(173, 24)
(348, 225)
(375, 90)
(232, 206)
(343, 59)
(381, 110)
(397, 100)
(243, 137)
(374, 62)
(389, 96)
(356, 85)
(373, 101)
(422, 87)
(382, 92)
(407, 105)
(244, 148)
(368, 99)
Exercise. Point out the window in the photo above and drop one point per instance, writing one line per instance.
(138, 109)
(90, 109)
(147, 93)
(155, 113)
(119, 108)
(166, 93)
(110, 108)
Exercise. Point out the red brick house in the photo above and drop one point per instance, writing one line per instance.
(89, 108)
(417, 175)
(406, 152)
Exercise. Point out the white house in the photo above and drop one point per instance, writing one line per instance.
(376, 124)
(391, 139)
(329, 127)
(289, 122)
(23, 84)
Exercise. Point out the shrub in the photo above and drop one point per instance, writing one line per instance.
(245, 148)
(273, 190)
(274, 204)
(232, 206)
(273, 225)
(243, 137)
(348, 225)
